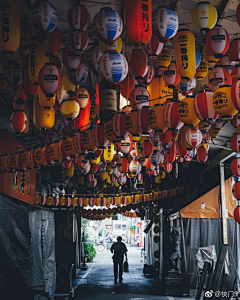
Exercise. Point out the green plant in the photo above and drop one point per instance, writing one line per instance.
(90, 251)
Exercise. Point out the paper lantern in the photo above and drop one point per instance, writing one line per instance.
(236, 190)
(204, 16)
(139, 97)
(225, 62)
(108, 25)
(168, 167)
(142, 121)
(127, 85)
(49, 79)
(9, 26)
(171, 152)
(223, 102)
(18, 104)
(135, 167)
(165, 23)
(92, 56)
(126, 145)
(82, 97)
(171, 76)
(203, 106)
(131, 123)
(80, 75)
(210, 58)
(43, 117)
(81, 122)
(157, 158)
(235, 95)
(146, 148)
(235, 74)
(46, 102)
(69, 173)
(184, 47)
(193, 137)
(158, 90)
(62, 95)
(138, 17)
(52, 43)
(25, 29)
(202, 70)
(78, 18)
(99, 137)
(234, 142)
(26, 111)
(236, 213)
(18, 121)
(197, 56)
(107, 102)
(78, 145)
(155, 118)
(118, 125)
(68, 147)
(139, 63)
(113, 67)
(115, 46)
(171, 117)
(217, 77)
(235, 166)
(186, 111)
(43, 16)
(87, 140)
(202, 154)
(67, 85)
(70, 109)
(78, 40)
(148, 78)
(217, 41)
(108, 153)
(154, 48)
(29, 88)
(163, 60)
(71, 60)
(123, 165)
(186, 87)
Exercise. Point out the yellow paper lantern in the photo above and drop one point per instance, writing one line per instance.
(96, 161)
(67, 85)
(211, 59)
(69, 172)
(98, 201)
(49, 200)
(155, 118)
(62, 201)
(129, 199)
(109, 200)
(104, 175)
(42, 117)
(163, 60)
(109, 133)
(54, 152)
(86, 201)
(115, 46)
(131, 123)
(186, 111)
(37, 59)
(87, 140)
(204, 16)
(9, 26)
(202, 70)
(184, 47)
(159, 91)
(39, 158)
(69, 147)
(74, 201)
(108, 152)
(70, 109)
(119, 200)
(223, 104)
(46, 102)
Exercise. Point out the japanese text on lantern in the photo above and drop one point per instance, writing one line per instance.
(33, 48)
(183, 39)
(145, 15)
(6, 8)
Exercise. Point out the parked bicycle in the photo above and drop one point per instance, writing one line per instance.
(103, 245)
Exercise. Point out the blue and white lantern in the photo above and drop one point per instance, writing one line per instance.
(157, 158)
(197, 56)
(81, 74)
(164, 23)
(108, 24)
(44, 16)
(113, 67)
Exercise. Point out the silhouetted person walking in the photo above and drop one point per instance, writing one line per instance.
(119, 249)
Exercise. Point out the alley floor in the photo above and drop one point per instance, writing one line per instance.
(97, 282)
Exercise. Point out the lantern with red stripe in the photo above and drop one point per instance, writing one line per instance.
(78, 18)
(226, 63)
(52, 43)
(234, 142)
(122, 179)
(139, 63)
(235, 73)
(234, 50)
(78, 40)
(127, 85)
(99, 137)
(146, 149)
(168, 167)
(93, 56)
(193, 137)
(202, 154)
(135, 167)
(78, 145)
(108, 25)
(235, 93)
(148, 78)
(138, 21)
(203, 106)
(82, 97)
(235, 166)
(236, 213)
(157, 158)
(148, 164)
(154, 48)
(171, 76)
(171, 152)
(118, 125)
(171, 117)
(71, 60)
(139, 97)
(126, 145)
(124, 200)
(166, 137)
(123, 165)
(236, 190)
(142, 121)
(155, 139)
(18, 121)
(217, 41)
(217, 77)
(49, 79)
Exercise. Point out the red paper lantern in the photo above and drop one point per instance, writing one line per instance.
(154, 48)
(203, 106)
(236, 213)
(235, 121)
(19, 93)
(166, 137)
(235, 74)
(146, 149)
(148, 164)
(123, 165)
(127, 85)
(18, 121)
(52, 43)
(71, 60)
(139, 97)
(78, 40)
(49, 79)
(182, 152)
(29, 88)
(138, 17)
(235, 93)
(171, 152)
(126, 145)
(78, 145)
(78, 18)
(142, 121)
(217, 41)
(234, 142)
(171, 76)
(217, 77)
(118, 125)
(82, 120)
(168, 167)
(226, 63)
(99, 137)
(139, 63)
(202, 154)
(148, 78)
(235, 166)
(170, 114)
(236, 190)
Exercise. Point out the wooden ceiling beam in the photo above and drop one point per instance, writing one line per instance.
(226, 7)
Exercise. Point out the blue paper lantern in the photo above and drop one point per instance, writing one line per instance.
(197, 56)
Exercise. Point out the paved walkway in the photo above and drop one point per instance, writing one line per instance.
(97, 282)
